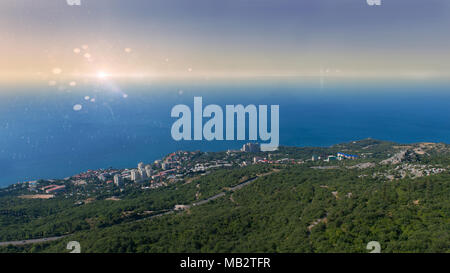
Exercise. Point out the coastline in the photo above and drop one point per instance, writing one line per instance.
(75, 173)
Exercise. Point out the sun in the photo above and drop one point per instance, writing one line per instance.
(102, 75)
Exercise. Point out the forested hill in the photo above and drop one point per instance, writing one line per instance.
(395, 194)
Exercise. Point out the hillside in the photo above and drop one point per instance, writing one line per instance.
(395, 194)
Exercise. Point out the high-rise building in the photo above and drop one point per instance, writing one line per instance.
(141, 166)
(251, 148)
(118, 181)
(148, 170)
(143, 174)
(135, 175)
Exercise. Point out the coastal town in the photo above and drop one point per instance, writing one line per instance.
(184, 165)
(174, 167)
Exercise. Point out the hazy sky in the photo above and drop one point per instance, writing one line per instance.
(224, 38)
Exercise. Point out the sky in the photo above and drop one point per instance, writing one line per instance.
(140, 39)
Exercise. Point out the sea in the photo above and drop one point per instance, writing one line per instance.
(52, 132)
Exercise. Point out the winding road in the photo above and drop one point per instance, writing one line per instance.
(32, 241)
(214, 197)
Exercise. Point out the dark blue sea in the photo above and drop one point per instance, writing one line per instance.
(42, 136)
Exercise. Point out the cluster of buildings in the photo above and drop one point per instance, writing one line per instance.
(328, 158)
(142, 173)
(338, 156)
(172, 168)
(251, 148)
(346, 156)
(203, 167)
(168, 168)
(258, 159)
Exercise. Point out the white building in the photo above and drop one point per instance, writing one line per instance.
(251, 148)
(256, 159)
(135, 176)
(148, 170)
(118, 181)
(143, 174)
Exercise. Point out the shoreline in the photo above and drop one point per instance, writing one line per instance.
(218, 151)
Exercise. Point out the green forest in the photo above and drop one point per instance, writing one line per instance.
(286, 208)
